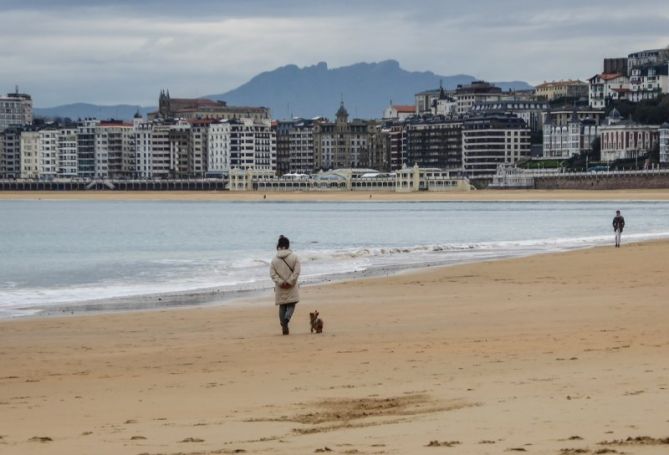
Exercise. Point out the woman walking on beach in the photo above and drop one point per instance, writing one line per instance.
(285, 270)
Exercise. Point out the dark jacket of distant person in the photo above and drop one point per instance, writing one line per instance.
(618, 223)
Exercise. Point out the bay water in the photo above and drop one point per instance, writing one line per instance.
(65, 252)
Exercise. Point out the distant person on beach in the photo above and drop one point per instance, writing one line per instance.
(618, 226)
(285, 270)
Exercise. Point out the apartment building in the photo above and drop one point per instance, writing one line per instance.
(466, 96)
(295, 145)
(219, 144)
(532, 112)
(10, 153)
(649, 82)
(199, 144)
(252, 144)
(86, 148)
(433, 142)
(16, 109)
(69, 159)
(342, 144)
(491, 140)
(115, 150)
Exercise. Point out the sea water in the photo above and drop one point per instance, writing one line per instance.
(63, 252)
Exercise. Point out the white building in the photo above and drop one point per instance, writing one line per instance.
(399, 112)
(446, 106)
(16, 109)
(664, 144)
(252, 145)
(564, 141)
(49, 156)
(143, 137)
(115, 150)
(68, 152)
(350, 179)
(161, 149)
(219, 141)
(607, 86)
(161, 156)
(649, 82)
(241, 144)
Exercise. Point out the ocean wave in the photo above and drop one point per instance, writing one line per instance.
(250, 272)
(554, 243)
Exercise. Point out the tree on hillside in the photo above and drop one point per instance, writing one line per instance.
(650, 112)
(596, 152)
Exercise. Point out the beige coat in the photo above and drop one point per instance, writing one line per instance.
(280, 271)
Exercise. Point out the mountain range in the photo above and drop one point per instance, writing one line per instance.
(289, 91)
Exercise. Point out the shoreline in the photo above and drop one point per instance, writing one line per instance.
(354, 196)
(217, 298)
(553, 353)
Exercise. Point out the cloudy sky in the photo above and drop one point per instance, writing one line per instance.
(125, 51)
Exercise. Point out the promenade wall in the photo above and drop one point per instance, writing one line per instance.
(603, 181)
(114, 185)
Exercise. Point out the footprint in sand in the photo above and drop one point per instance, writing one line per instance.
(436, 443)
(40, 439)
(192, 440)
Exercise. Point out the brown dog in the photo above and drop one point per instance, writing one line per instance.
(316, 322)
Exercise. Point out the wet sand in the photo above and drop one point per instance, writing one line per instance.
(480, 195)
(551, 354)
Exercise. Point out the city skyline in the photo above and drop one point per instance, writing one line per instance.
(65, 51)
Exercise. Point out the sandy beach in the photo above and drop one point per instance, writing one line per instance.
(551, 354)
(475, 195)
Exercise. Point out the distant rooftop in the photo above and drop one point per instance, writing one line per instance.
(404, 109)
(567, 82)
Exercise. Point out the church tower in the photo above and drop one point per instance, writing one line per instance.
(342, 115)
(164, 110)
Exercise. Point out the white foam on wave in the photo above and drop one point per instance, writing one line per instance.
(249, 273)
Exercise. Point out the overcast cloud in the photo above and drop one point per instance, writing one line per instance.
(125, 51)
